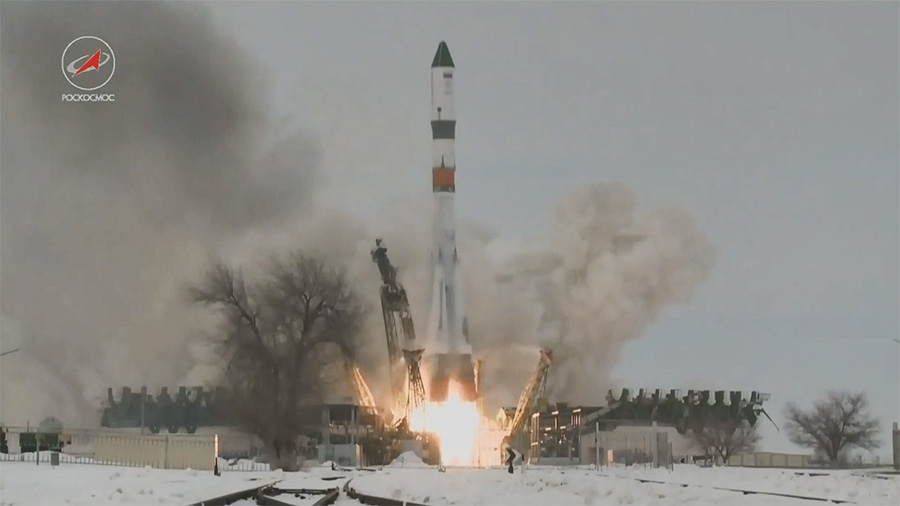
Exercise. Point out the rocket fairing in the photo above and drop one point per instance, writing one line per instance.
(449, 357)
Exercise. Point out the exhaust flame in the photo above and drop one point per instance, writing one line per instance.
(455, 422)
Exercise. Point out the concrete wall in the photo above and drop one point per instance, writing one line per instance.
(767, 459)
(163, 452)
(232, 442)
(638, 439)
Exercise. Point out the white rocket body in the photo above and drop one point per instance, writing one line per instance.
(449, 354)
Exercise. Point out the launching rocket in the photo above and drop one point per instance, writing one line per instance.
(449, 356)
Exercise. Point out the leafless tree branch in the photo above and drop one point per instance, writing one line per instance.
(722, 438)
(834, 425)
(278, 336)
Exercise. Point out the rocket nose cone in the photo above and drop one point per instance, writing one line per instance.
(442, 56)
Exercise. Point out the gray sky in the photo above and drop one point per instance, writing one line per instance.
(776, 124)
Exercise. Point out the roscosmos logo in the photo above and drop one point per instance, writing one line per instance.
(88, 63)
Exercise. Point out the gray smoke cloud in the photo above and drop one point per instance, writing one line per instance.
(106, 209)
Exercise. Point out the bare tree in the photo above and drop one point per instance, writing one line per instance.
(723, 438)
(278, 338)
(834, 425)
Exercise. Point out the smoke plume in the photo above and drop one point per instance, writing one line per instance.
(108, 210)
(607, 276)
(604, 275)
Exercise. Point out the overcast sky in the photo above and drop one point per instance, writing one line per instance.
(775, 123)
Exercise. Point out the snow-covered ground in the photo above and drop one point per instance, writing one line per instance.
(855, 486)
(409, 460)
(87, 484)
(543, 486)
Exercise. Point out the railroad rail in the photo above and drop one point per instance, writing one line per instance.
(375, 500)
(231, 497)
(736, 490)
(383, 501)
(269, 496)
(878, 476)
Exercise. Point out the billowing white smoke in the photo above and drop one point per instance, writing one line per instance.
(604, 275)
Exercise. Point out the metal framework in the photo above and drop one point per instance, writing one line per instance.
(416, 387)
(408, 389)
(534, 390)
(360, 385)
(691, 412)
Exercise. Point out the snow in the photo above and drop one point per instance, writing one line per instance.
(314, 479)
(408, 460)
(847, 485)
(544, 486)
(88, 484)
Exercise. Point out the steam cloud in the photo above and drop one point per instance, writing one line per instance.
(106, 210)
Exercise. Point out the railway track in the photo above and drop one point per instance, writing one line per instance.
(235, 496)
(344, 494)
(374, 500)
(272, 495)
(307, 497)
(737, 490)
(351, 493)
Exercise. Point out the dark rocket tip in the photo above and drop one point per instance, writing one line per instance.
(442, 57)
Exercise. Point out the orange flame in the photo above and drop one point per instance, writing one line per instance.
(456, 423)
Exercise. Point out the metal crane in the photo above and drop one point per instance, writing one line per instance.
(479, 364)
(363, 392)
(528, 403)
(408, 389)
(534, 390)
(415, 391)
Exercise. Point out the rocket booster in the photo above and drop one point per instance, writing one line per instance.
(449, 357)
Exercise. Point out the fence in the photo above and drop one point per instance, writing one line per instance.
(801, 461)
(638, 444)
(765, 459)
(160, 451)
(642, 452)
